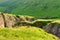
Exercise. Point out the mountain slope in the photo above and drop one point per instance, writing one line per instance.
(1, 1)
(37, 8)
(25, 33)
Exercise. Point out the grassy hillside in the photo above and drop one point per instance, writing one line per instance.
(1, 1)
(37, 8)
(25, 33)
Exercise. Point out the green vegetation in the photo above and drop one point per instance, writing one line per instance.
(36, 8)
(2, 9)
(25, 29)
(25, 33)
(2, 1)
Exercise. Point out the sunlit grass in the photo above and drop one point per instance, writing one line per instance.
(25, 33)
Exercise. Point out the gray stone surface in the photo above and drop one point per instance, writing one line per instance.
(53, 28)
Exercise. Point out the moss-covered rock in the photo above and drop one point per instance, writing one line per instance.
(40, 23)
(23, 23)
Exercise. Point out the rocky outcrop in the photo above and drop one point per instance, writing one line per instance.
(30, 19)
(9, 20)
(2, 25)
(23, 24)
(40, 24)
(53, 28)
